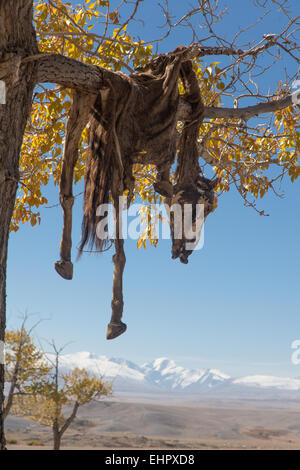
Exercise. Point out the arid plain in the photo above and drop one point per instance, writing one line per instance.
(144, 424)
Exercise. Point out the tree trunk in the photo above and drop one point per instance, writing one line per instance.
(56, 440)
(17, 40)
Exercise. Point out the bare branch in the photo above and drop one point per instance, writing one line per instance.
(69, 420)
(213, 112)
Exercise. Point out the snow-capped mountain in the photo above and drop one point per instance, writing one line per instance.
(163, 375)
(166, 374)
(266, 381)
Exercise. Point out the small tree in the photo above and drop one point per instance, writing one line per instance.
(25, 370)
(77, 387)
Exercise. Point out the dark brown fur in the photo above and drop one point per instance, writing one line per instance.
(142, 121)
(136, 123)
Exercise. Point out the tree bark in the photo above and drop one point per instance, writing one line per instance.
(57, 442)
(56, 436)
(247, 112)
(58, 433)
(10, 397)
(71, 73)
(69, 420)
(17, 39)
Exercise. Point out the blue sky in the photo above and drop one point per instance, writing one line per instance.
(235, 306)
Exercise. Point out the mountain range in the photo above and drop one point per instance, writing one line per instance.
(163, 376)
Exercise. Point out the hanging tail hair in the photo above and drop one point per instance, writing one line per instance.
(99, 167)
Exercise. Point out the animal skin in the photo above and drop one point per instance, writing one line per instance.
(133, 123)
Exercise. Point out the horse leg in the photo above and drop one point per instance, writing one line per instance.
(162, 184)
(77, 120)
(116, 327)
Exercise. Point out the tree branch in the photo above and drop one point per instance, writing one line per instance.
(71, 73)
(69, 419)
(249, 111)
(195, 51)
(212, 112)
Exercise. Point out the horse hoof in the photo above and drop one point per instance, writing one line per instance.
(64, 269)
(115, 329)
(164, 188)
(183, 259)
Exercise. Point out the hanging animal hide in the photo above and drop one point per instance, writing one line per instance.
(135, 122)
(191, 191)
(140, 117)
